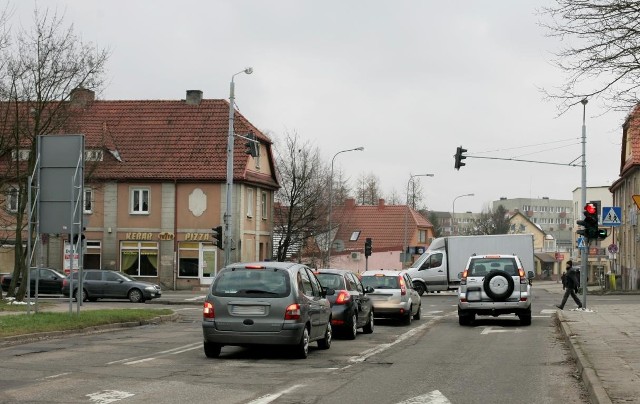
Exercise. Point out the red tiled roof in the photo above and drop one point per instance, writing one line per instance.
(167, 140)
(385, 224)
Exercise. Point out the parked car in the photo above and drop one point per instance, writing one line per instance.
(266, 303)
(106, 284)
(393, 295)
(351, 307)
(492, 285)
(49, 281)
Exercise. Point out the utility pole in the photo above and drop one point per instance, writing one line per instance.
(584, 254)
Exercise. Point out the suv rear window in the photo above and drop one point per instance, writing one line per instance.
(483, 266)
(252, 283)
(381, 282)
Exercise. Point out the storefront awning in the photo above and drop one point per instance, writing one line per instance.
(545, 257)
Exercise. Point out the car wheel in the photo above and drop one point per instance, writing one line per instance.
(325, 342)
(408, 317)
(85, 295)
(525, 317)
(352, 329)
(498, 285)
(212, 350)
(368, 328)
(302, 349)
(418, 313)
(135, 296)
(465, 318)
(419, 287)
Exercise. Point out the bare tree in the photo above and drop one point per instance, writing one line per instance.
(302, 196)
(42, 65)
(368, 192)
(394, 198)
(490, 222)
(602, 58)
(415, 194)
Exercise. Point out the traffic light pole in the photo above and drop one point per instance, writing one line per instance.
(584, 253)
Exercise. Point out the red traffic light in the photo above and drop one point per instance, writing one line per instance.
(590, 208)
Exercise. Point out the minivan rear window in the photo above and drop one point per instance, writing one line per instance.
(334, 281)
(262, 283)
(381, 282)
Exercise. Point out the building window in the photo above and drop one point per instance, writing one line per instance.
(139, 201)
(422, 236)
(93, 155)
(20, 155)
(93, 254)
(12, 199)
(88, 200)
(249, 202)
(139, 258)
(263, 205)
(188, 260)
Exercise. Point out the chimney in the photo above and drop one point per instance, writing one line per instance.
(81, 97)
(194, 97)
(350, 203)
(380, 203)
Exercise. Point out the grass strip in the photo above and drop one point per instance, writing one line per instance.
(20, 324)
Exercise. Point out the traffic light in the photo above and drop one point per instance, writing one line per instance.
(253, 147)
(217, 235)
(459, 157)
(590, 222)
(367, 247)
(78, 236)
(602, 234)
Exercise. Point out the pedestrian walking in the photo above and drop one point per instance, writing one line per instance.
(571, 286)
(564, 280)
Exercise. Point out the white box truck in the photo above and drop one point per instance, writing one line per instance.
(441, 266)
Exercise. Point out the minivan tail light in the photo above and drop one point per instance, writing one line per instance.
(292, 312)
(343, 297)
(403, 287)
(208, 311)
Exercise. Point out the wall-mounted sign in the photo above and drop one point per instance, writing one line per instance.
(197, 237)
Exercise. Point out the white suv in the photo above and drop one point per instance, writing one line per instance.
(492, 285)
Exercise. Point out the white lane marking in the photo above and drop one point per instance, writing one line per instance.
(191, 299)
(109, 396)
(178, 349)
(435, 397)
(54, 376)
(139, 361)
(383, 347)
(188, 349)
(490, 330)
(270, 397)
(547, 311)
(430, 313)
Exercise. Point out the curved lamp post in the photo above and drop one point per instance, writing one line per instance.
(404, 247)
(329, 238)
(230, 139)
(453, 212)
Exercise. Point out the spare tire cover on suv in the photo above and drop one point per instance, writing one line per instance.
(498, 285)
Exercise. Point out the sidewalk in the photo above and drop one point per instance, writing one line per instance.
(604, 340)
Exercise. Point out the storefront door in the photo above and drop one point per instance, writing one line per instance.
(207, 269)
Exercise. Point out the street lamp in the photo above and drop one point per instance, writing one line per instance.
(404, 248)
(329, 240)
(453, 213)
(230, 140)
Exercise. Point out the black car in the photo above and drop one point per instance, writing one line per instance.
(49, 281)
(351, 308)
(106, 284)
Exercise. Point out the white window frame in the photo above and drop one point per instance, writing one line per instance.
(12, 199)
(87, 201)
(249, 202)
(263, 206)
(140, 193)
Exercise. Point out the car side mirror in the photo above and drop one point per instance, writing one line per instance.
(459, 275)
(530, 275)
(328, 291)
(368, 289)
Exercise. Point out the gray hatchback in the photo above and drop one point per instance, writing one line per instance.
(270, 303)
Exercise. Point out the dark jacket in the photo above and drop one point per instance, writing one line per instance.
(572, 279)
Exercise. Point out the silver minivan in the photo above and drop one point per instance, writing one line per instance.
(266, 303)
(393, 295)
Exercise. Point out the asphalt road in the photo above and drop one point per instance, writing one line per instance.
(434, 360)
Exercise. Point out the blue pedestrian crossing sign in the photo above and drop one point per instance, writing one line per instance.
(581, 243)
(611, 216)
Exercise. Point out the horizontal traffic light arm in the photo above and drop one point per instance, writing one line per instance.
(525, 161)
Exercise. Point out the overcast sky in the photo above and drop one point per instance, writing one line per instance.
(407, 80)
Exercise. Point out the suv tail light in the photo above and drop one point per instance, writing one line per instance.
(463, 279)
(523, 279)
(208, 311)
(403, 287)
(292, 312)
(343, 297)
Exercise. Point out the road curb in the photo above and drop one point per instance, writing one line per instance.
(25, 338)
(588, 375)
